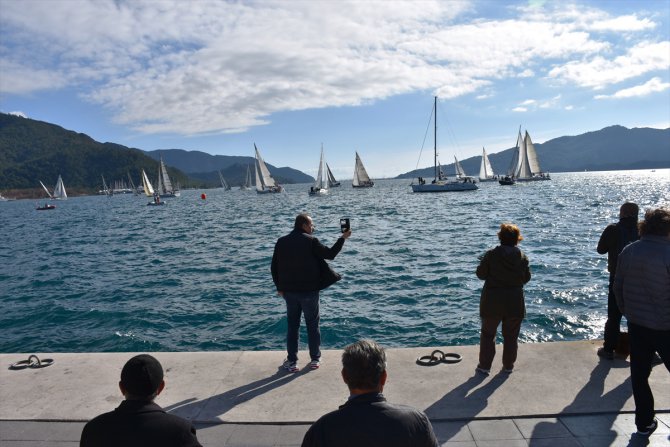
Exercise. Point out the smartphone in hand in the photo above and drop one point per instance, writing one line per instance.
(344, 224)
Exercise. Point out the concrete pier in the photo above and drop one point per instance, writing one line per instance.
(560, 394)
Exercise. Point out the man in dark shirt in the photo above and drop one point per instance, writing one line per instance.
(297, 264)
(612, 241)
(138, 421)
(367, 419)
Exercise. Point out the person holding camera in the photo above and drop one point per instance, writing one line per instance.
(298, 267)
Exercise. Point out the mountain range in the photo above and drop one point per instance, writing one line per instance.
(33, 150)
(609, 149)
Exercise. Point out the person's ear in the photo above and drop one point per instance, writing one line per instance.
(122, 388)
(160, 387)
(382, 378)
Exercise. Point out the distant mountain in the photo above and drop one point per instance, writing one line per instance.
(205, 167)
(611, 148)
(32, 150)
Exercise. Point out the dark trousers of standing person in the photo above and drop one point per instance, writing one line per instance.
(487, 341)
(643, 343)
(306, 303)
(613, 323)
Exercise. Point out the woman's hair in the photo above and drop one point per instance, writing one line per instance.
(509, 234)
(656, 222)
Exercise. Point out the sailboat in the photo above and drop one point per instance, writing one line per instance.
(361, 178)
(224, 183)
(460, 172)
(332, 183)
(265, 183)
(59, 190)
(525, 166)
(247, 181)
(105, 189)
(132, 185)
(485, 170)
(441, 183)
(146, 185)
(164, 187)
(320, 187)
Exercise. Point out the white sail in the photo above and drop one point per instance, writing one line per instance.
(531, 154)
(46, 190)
(459, 169)
(224, 183)
(361, 177)
(331, 178)
(146, 184)
(264, 180)
(105, 188)
(514, 167)
(321, 183)
(167, 184)
(247, 180)
(59, 190)
(485, 169)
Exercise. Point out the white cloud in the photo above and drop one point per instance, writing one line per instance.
(519, 109)
(215, 66)
(570, 107)
(654, 85)
(600, 72)
(17, 113)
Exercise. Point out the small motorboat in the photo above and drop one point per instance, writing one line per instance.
(507, 180)
(46, 207)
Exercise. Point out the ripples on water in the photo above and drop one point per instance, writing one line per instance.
(100, 274)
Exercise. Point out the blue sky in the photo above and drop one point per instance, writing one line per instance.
(289, 75)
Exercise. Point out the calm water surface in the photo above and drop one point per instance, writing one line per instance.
(101, 274)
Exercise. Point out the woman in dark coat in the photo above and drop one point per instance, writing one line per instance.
(504, 270)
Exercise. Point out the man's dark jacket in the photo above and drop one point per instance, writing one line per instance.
(295, 262)
(138, 424)
(614, 238)
(369, 421)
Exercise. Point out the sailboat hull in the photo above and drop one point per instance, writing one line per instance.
(444, 187)
(369, 184)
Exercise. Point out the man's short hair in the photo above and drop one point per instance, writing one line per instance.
(300, 220)
(656, 222)
(629, 209)
(363, 364)
(141, 376)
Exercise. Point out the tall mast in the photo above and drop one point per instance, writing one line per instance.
(435, 137)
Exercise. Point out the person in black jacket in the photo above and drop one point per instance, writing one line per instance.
(367, 419)
(138, 421)
(296, 271)
(615, 237)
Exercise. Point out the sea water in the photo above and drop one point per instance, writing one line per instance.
(112, 274)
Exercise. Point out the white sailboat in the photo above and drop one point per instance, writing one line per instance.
(105, 189)
(320, 187)
(146, 185)
(485, 170)
(332, 183)
(525, 165)
(224, 183)
(164, 187)
(265, 183)
(247, 181)
(59, 190)
(441, 183)
(361, 178)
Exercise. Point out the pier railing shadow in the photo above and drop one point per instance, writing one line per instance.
(594, 411)
(469, 404)
(216, 406)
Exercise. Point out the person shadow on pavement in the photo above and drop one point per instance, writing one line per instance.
(216, 406)
(587, 407)
(463, 404)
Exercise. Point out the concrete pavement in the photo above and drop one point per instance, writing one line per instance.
(559, 394)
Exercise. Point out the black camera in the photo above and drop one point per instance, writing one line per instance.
(344, 224)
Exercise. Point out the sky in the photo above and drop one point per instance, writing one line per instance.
(293, 76)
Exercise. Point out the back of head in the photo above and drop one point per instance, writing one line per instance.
(141, 376)
(656, 222)
(629, 209)
(363, 364)
(509, 234)
(300, 220)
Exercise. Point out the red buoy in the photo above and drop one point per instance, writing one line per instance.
(203, 196)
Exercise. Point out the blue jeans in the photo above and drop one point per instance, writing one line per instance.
(298, 303)
(643, 343)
